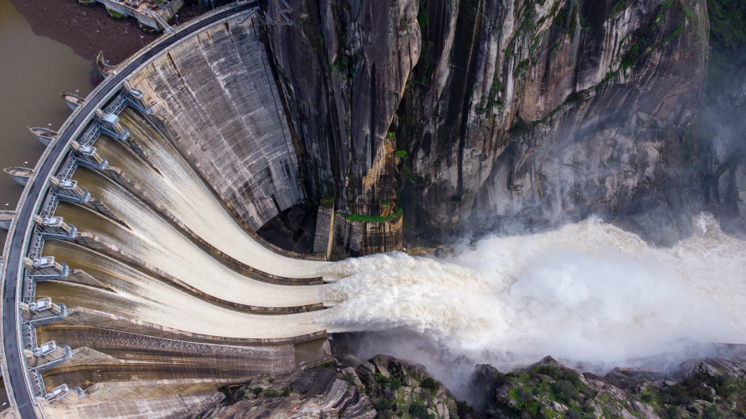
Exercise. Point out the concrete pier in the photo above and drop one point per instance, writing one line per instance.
(72, 100)
(88, 157)
(54, 228)
(42, 312)
(19, 174)
(46, 136)
(45, 269)
(110, 124)
(68, 190)
(6, 217)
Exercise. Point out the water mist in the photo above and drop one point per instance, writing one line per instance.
(587, 293)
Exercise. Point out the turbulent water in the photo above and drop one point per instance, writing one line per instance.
(588, 292)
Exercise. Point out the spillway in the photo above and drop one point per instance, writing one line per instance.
(134, 247)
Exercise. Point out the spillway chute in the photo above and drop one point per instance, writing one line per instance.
(135, 243)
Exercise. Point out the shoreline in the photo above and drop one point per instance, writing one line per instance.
(89, 29)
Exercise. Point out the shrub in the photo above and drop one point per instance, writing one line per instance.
(240, 392)
(381, 380)
(646, 397)
(712, 412)
(672, 412)
(257, 390)
(418, 410)
(430, 384)
(271, 393)
(286, 392)
(573, 414)
(564, 390)
(395, 384)
(463, 409)
(560, 374)
(349, 378)
(532, 408)
(522, 396)
(382, 405)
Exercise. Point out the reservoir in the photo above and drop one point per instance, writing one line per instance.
(34, 70)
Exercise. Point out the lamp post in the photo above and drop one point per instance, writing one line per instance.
(143, 42)
(177, 20)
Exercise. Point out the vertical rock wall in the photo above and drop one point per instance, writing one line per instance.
(539, 110)
(344, 68)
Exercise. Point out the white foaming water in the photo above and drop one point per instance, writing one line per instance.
(588, 292)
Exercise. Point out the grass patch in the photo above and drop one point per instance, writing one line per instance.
(373, 218)
(115, 14)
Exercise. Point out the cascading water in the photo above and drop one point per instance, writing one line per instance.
(153, 241)
(136, 295)
(183, 193)
(588, 292)
(144, 250)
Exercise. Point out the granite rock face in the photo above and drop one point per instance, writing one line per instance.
(713, 387)
(344, 67)
(543, 111)
(311, 393)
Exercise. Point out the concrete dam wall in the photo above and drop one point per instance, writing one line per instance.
(216, 94)
(144, 245)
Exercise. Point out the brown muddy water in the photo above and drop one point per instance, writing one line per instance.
(33, 71)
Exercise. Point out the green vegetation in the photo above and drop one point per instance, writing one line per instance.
(373, 218)
(418, 410)
(382, 405)
(115, 14)
(402, 153)
(390, 135)
(422, 19)
(618, 8)
(257, 390)
(390, 382)
(271, 393)
(430, 384)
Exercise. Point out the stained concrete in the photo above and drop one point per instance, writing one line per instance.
(216, 96)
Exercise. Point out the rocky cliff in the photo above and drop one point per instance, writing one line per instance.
(386, 387)
(471, 113)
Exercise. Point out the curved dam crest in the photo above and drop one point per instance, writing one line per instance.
(143, 266)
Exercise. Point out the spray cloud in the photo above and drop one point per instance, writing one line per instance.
(586, 293)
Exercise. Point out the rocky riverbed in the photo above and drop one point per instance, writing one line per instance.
(386, 387)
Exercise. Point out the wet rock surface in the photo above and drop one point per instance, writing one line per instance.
(710, 388)
(309, 393)
(387, 387)
(529, 113)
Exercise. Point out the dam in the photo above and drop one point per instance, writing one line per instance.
(134, 283)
